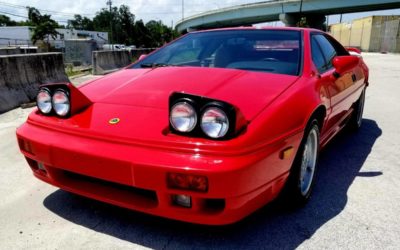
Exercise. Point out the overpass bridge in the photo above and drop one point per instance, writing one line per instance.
(287, 11)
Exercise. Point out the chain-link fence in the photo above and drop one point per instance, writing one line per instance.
(7, 42)
(16, 46)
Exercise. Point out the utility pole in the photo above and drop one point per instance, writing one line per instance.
(111, 40)
(183, 9)
(301, 6)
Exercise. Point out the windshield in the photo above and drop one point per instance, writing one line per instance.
(275, 51)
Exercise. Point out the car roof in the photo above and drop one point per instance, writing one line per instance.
(260, 28)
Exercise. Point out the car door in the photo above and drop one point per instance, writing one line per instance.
(341, 89)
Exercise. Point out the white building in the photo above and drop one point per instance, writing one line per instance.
(18, 35)
(21, 35)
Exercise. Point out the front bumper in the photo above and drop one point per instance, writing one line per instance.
(134, 177)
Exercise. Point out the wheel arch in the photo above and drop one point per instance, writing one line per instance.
(319, 114)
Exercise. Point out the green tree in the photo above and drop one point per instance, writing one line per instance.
(122, 21)
(160, 34)
(43, 26)
(101, 21)
(24, 23)
(125, 26)
(126, 30)
(142, 35)
(80, 23)
(6, 21)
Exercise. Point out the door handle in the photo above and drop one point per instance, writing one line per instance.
(353, 77)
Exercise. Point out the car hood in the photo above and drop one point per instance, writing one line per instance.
(249, 91)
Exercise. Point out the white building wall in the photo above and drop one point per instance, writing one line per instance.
(71, 34)
(20, 35)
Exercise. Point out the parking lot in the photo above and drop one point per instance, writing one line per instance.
(355, 204)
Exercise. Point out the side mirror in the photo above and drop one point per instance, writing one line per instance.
(344, 63)
(142, 56)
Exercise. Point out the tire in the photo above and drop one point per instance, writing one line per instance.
(300, 183)
(355, 121)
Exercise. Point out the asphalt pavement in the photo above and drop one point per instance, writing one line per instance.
(355, 204)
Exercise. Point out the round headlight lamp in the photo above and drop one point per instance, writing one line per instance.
(61, 103)
(43, 101)
(214, 122)
(183, 117)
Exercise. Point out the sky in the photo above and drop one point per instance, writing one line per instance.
(168, 11)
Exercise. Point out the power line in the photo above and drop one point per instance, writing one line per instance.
(11, 14)
(138, 14)
(68, 14)
(16, 15)
(60, 13)
(72, 15)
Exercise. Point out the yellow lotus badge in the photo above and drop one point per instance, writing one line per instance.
(114, 121)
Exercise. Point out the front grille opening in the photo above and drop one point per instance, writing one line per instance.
(32, 163)
(214, 205)
(108, 190)
(37, 167)
(42, 168)
(142, 192)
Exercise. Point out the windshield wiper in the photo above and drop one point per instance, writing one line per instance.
(154, 65)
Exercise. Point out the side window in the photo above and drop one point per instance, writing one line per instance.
(317, 56)
(327, 49)
(340, 50)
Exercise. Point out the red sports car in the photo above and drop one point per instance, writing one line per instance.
(207, 129)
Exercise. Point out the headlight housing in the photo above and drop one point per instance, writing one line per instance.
(61, 103)
(199, 116)
(183, 117)
(214, 122)
(55, 99)
(43, 101)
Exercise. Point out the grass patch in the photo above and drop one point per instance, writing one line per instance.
(71, 71)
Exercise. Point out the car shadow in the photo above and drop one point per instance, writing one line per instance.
(270, 227)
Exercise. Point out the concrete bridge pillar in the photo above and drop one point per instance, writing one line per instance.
(316, 21)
